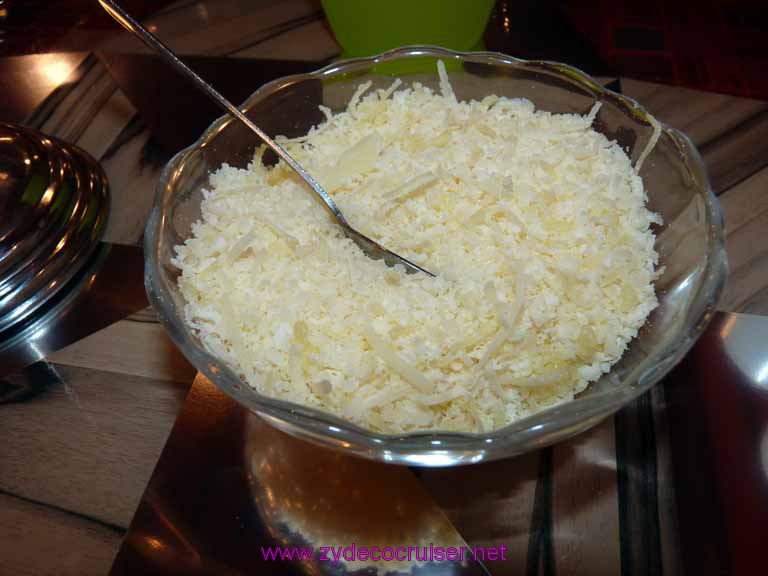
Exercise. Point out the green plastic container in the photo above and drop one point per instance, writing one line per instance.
(368, 27)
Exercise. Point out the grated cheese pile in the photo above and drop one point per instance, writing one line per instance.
(534, 223)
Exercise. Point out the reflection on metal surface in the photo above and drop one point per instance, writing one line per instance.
(762, 375)
(56, 69)
(54, 211)
(108, 288)
(745, 339)
(764, 453)
(227, 484)
(35, 380)
(727, 326)
(155, 543)
(718, 417)
(310, 496)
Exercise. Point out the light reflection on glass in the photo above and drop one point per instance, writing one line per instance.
(435, 459)
(683, 286)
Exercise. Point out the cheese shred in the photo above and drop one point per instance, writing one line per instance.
(651, 142)
(534, 223)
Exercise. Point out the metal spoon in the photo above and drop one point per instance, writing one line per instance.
(371, 248)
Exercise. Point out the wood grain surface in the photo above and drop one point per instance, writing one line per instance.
(88, 443)
(40, 539)
(132, 347)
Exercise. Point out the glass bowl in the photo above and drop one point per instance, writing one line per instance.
(690, 241)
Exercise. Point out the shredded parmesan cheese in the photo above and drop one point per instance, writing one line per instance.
(593, 112)
(397, 364)
(534, 223)
(651, 142)
(445, 86)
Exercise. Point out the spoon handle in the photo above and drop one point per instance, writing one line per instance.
(370, 247)
(154, 42)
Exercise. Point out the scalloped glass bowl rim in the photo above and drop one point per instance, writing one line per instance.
(443, 448)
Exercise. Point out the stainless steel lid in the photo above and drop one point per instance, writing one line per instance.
(54, 204)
